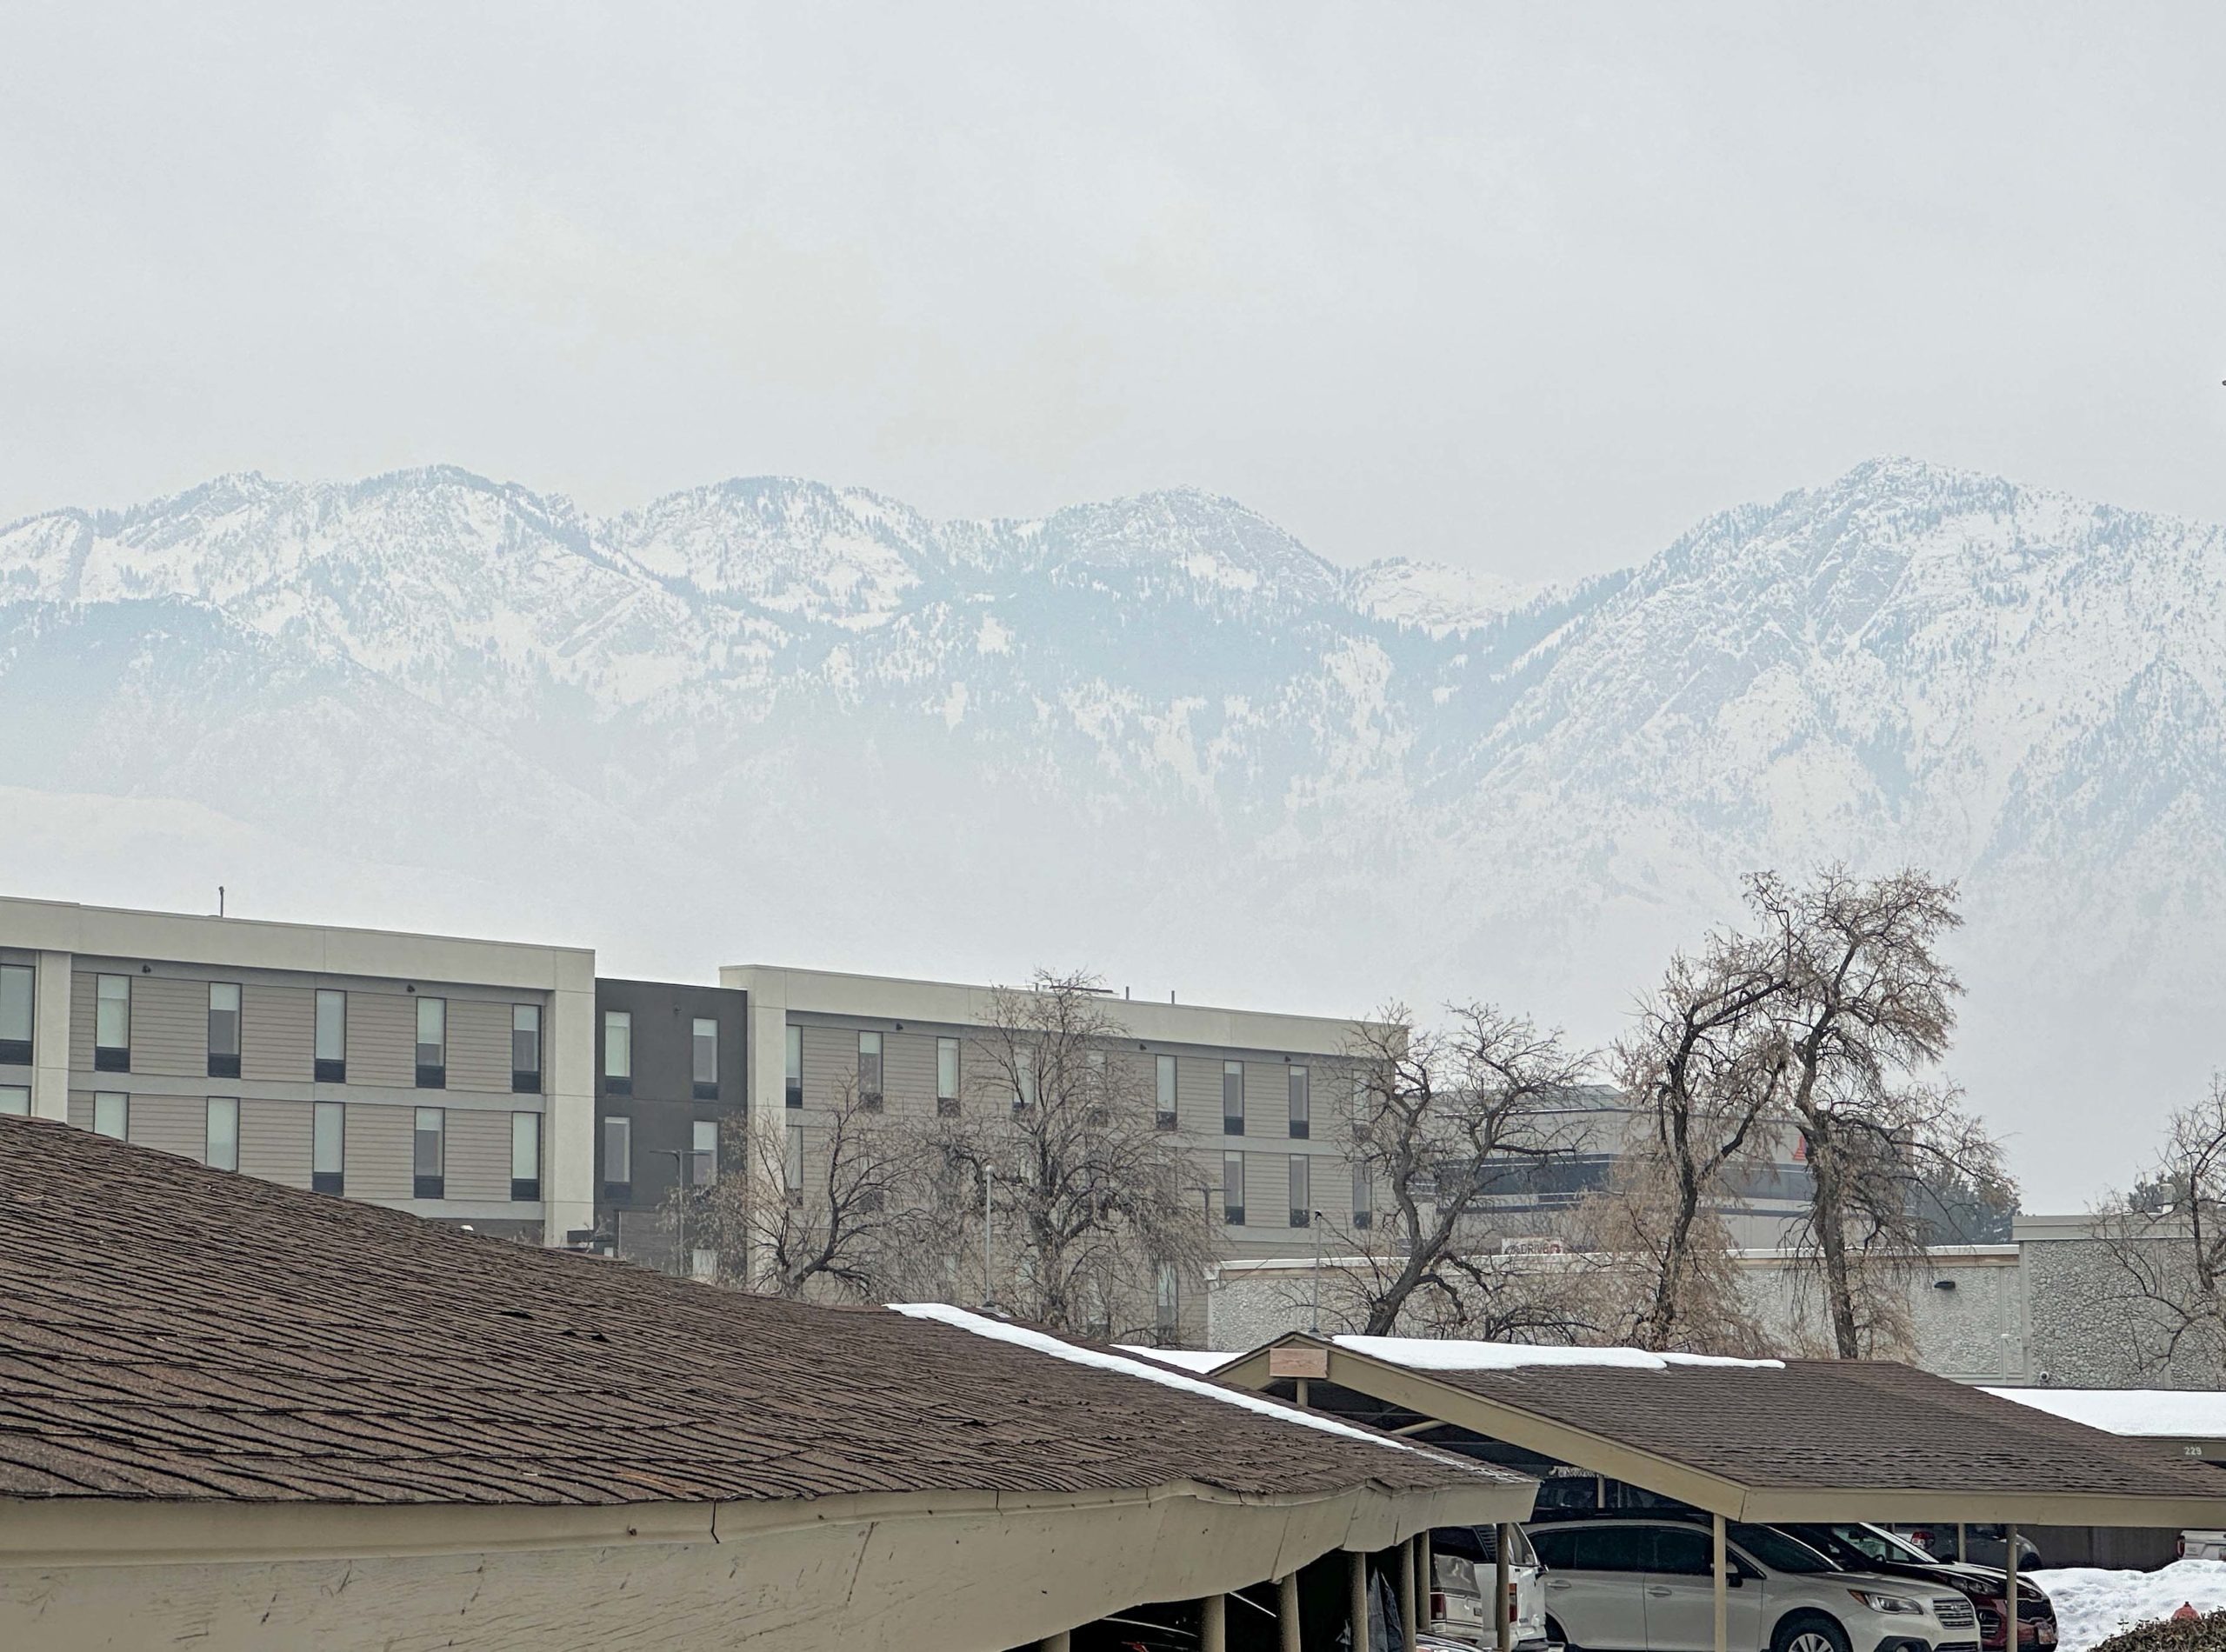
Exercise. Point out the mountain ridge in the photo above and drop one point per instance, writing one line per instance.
(1180, 729)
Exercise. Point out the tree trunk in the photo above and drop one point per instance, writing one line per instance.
(1824, 1170)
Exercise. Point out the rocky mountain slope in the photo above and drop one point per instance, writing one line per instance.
(768, 718)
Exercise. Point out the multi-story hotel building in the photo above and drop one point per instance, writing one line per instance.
(453, 1078)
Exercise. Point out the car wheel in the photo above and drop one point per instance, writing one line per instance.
(1809, 1632)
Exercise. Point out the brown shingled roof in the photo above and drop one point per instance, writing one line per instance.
(169, 1331)
(1806, 1439)
(1837, 1423)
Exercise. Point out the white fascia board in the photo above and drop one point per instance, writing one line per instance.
(956, 1003)
(178, 937)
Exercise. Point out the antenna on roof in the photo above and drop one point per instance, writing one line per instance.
(220, 900)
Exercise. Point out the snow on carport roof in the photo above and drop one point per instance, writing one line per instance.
(1421, 1353)
(1802, 1439)
(2146, 1413)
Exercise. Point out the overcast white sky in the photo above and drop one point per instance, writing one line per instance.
(1528, 289)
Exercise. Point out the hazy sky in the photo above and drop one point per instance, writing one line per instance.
(1524, 288)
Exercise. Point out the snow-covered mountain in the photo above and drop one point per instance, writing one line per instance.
(771, 718)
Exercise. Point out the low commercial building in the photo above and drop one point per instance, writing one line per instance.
(238, 1415)
(451, 1078)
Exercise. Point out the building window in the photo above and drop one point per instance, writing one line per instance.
(1232, 1098)
(618, 1052)
(221, 1139)
(224, 1030)
(702, 1264)
(15, 1101)
(1023, 1094)
(1301, 1193)
(428, 1154)
(870, 1071)
(704, 1053)
(1163, 1115)
(112, 1024)
(617, 1157)
(328, 1142)
(946, 1078)
(15, 985)
(112, 1115)
(525, 1051)
(331, 1039)
(1363, 1199)
(525, 1156)
(433, 1047)
(792, 1164)
(1169, 1304)
(703, 1153)
(1302, 1105)
(1232, 1188)
(795, 1067)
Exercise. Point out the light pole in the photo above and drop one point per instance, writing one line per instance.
(1314, 1221)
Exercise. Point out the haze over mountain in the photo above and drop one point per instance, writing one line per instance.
(773, 720)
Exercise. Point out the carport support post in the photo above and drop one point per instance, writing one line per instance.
(1060, 1642)
(1213, 1623)
(1287, 1610)
(2010, 1625)
(1357, 1600)
(1503, 1613)
(1407, 1613)
(1720, 1567)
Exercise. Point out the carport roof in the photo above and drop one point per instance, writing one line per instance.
(1798, 1440)
(170, 1332)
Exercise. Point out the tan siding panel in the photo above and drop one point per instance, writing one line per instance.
(1197, 1093)
(171, 1123)
(275, 1141)
(81, 988)
(277, 1034)
(830, 1065)
(376, 1151)
(81, 1108)
(908, 1073)
(479, 1046)
(382, 1045)
(170, 1027)
(478, 1154)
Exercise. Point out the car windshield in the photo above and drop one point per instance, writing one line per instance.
(1881, 1545)
(1776, 1551)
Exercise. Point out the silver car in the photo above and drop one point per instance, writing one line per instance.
(1646, 1585)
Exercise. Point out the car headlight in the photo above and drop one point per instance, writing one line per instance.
(1901, 1604)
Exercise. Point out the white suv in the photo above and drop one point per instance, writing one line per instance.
(1644, 1585)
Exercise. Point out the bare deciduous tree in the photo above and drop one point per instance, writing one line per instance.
(1868, 1010)
(1088, 1202)
(2165, 1294)
(1449, 1118)
(1703, 1073)
(844, 1217)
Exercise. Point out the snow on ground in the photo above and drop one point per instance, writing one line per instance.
(1182, 1359)
(2197, 1413)
(2093, 1604)
(1002, 1331)
(1419, 1354)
